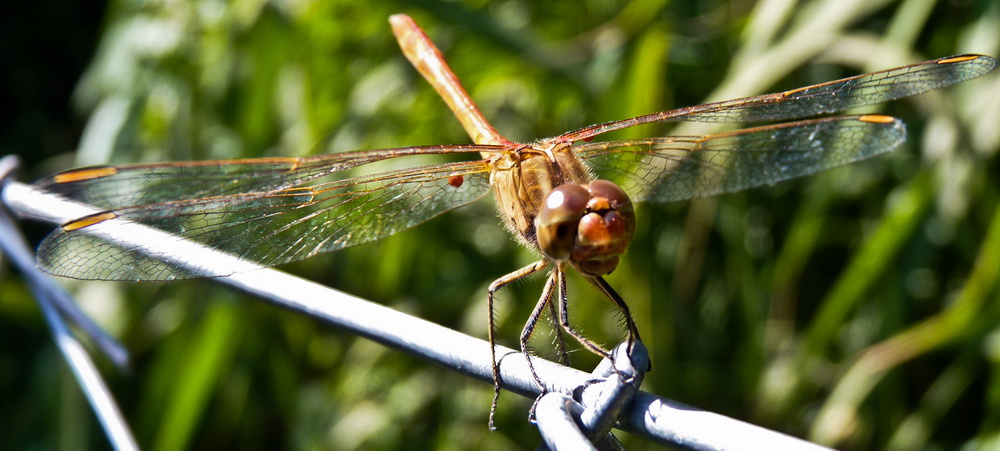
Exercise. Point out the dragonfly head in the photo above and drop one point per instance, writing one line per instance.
(588, 225)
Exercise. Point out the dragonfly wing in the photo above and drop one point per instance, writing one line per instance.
(115, 187)
(829, 97)
(273, 227)
(847, 93)
(685, 167)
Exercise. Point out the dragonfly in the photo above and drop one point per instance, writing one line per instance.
(567, 197)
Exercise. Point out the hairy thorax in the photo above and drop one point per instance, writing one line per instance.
(522, 179)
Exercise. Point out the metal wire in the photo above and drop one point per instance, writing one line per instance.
(49, 295)
(586, 419)
(556, 415)
(656, 418)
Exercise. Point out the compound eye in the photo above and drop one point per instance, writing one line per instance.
(556, 223)
(605, 231)
(616, 197)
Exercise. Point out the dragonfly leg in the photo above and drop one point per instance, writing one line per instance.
(564, 317)
(491, 331)
(559, 341)
(633, 330)
(529, 329)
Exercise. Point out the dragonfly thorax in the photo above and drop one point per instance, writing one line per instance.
(588, 225)
(523, 178)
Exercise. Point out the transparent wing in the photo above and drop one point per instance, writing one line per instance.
(685, 167)
(114, 187)
(291, 223)
(829, 97)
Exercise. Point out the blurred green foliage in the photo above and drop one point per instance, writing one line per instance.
(857, 308)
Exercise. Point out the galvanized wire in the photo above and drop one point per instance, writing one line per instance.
(49, 295)
(656, 418)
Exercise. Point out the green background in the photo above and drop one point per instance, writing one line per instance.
(857, 307)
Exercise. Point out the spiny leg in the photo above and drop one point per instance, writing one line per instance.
(560, 342)
(633, 331)
(491, 332)
(529, 328)
(564, 316)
